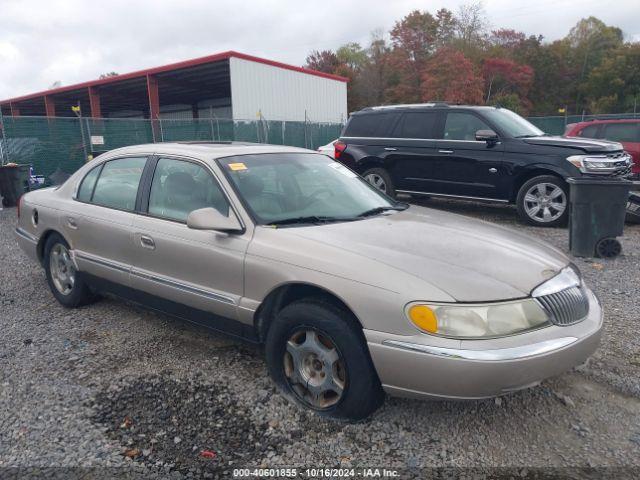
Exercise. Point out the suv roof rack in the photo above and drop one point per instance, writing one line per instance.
(408, 105)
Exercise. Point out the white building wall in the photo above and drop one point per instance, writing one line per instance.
(282, 94)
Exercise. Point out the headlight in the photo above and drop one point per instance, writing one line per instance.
(477, 321)
(599, 163)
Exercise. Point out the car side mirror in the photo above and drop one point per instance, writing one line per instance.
(211, 219)
(488, 136)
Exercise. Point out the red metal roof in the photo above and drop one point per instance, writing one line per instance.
(173, 66)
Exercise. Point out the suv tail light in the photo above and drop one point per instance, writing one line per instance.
(339, 147)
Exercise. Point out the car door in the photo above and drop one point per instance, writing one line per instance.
(200, 269)
(467, 167)
(99, 226)
(413, 151)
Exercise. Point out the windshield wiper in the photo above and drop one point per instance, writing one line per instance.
(379, 210)
(311, 219)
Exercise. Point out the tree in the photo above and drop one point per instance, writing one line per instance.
(449, 76)
(472, 23)
(615, 84)
(56, 84)
(323, 61)
(108, 75)
(503, 76)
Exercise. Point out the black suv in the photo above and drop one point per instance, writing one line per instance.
(468, 152)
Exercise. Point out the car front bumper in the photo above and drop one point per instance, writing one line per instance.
(433, 367)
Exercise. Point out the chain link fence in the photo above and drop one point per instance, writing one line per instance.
(62, 144)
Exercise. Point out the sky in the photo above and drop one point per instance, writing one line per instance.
(71, 41)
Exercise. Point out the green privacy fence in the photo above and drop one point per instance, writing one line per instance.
(555, 125)
(62, 144)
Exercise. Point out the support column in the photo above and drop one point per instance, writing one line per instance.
(15, 110)
(154, 107)
(49, 106)
(94, 103)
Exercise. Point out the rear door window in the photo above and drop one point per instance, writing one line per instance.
(117, 186)
(88, 183)
(371, 125)
(589, 132)
(463, 126)
(622, 132)
(416, 125)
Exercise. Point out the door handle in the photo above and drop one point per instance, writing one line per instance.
(445, 151)
(147, 242)
(390, 149)
(493, 170)
(72, 223)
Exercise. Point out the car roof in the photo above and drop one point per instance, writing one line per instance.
(207, 150)
(596, 121)
(419, 106)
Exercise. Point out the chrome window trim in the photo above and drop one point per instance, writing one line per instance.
(494, 355)
(411, 192)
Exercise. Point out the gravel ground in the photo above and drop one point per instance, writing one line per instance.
(112, 385)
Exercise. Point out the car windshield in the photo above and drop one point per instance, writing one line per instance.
(300, 188)
(512, 124)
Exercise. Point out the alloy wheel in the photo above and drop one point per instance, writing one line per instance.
(377, 181)
(545, 202)
(314, 368)
(63, 271)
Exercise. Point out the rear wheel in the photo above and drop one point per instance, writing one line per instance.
(380, 179)
(65, 282)
(317, 355)
(543, 201)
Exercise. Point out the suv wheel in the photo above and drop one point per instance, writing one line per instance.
(317, 355)
(543, 201)
(380, 178)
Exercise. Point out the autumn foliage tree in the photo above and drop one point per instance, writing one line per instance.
(454, 57)
(449, 76)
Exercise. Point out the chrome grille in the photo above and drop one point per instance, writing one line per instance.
(566, 307)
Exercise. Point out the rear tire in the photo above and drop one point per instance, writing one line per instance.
(317, 355)
(381, 180)
(66, 283)
(543, 201)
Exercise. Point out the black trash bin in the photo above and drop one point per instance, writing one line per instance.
(14, 181)
(598, 208)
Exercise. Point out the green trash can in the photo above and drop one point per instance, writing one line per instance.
(596, 217)
(14, 181)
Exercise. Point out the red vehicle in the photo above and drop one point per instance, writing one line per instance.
(627, 132)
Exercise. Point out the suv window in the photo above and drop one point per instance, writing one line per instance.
(622, 132)
(117, 186)
(416, 125)
(463, 126)
(589, 132)
(179, 187)
(371, 125)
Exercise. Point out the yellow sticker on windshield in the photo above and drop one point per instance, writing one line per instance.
(237, 166)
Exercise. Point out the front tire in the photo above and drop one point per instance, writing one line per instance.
(543, 201)
(65, 282)
(381, 180)
(317, 355)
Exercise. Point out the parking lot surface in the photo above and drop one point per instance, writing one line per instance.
(112, 385)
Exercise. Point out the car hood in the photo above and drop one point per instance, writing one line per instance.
(587, 145)
(470, 260)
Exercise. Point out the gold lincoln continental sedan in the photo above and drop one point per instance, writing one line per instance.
(353, 294)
